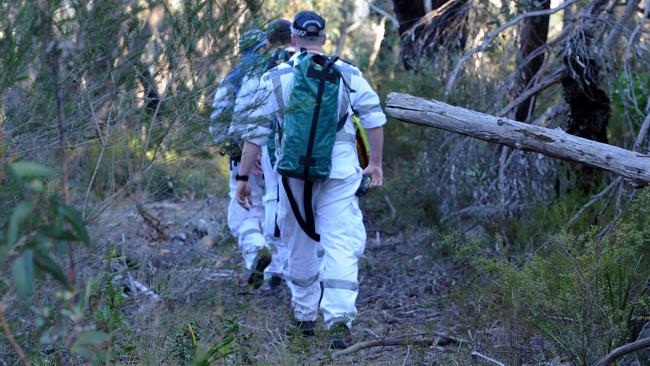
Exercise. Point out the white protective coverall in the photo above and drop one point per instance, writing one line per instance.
(269, 199)
(336, 209)
(244, 225)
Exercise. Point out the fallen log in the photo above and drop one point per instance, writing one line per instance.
(634, 167)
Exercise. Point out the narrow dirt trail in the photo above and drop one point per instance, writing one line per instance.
(186, 256)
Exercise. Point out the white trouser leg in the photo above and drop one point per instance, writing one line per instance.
(271, 229)
(276, 244)
(343, 237)
(245, 225)
(303, 262)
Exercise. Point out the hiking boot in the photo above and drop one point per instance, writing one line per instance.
(262, 260)
(339, 336)
(275, 282)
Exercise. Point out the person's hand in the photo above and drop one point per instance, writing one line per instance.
(377, 174)
(243, 194)
(257, 167)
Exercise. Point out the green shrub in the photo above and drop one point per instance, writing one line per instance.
(580, 290)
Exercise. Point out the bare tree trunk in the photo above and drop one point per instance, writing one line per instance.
(533, 36)
(347, 8)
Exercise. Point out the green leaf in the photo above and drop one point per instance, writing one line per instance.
(22, 271)
(92, 338)
(88, 341)
(36, 185)
(18, 216)
(27, 169)
(60, 235)
(72, 217)
(46, 263)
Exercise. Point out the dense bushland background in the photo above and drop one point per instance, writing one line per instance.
(110, 182)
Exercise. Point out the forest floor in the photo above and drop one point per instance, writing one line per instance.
(406, 289)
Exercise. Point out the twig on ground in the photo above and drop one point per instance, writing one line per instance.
(440, 339)
(623, 350)
(136, 286)
(408, 354)
(372, 332)
(10, 337)
(393, 211)
(476, 354)
(152, 222)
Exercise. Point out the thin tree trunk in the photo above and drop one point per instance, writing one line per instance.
(533, 36)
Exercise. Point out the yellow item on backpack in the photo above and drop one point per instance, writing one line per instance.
(363, 148)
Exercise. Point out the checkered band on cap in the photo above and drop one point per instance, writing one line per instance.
(306, 19)
(303, 33)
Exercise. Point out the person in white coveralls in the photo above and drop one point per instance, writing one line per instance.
(338, 218)
(254, 227)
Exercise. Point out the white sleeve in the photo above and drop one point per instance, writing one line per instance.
(222, 99)
(365, 103)
(263, 108)
(244, 106)
(221, 103)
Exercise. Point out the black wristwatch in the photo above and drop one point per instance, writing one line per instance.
(243, 178)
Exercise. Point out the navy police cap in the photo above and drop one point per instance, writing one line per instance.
(305, 20)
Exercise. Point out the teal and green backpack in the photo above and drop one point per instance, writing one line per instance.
(311, 119)
(311, 122)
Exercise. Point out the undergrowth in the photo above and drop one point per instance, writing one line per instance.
(576, 288)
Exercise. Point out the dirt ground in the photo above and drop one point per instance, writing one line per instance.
(181, 250)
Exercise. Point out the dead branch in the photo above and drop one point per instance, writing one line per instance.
(612, 38)
(643, 132)
(152, 222)
(551, 118)
(393, 211)
(483, 46)
(633, 166)
(53, 63)
(10, 337)
(623, 350)
(379, 37)
(543, 84)
(486, 358)
(595, 198)
(137, 287)
(440, 339)
(384, 13)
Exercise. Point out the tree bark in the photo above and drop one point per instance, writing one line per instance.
(408, 12)
(632, 166)
(588, 101)
(534, 34)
